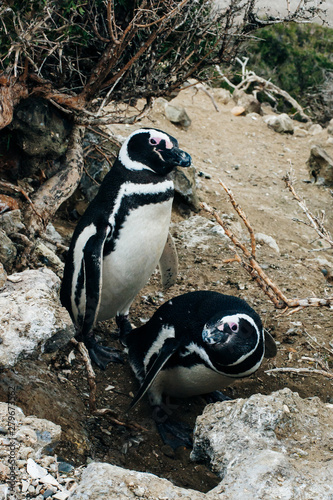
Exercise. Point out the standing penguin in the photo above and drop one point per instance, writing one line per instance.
(195, 344)
(122, 236)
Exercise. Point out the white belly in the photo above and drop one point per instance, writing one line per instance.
(184, 382)
(138, 250)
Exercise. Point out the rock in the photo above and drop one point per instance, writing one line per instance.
(3, 276)
(247, 101)
(275, 446)
(8, 251)
(267, 240)
(198, 232)
(238, 110)
(96, 166)
(330, 127)
(41, 130)
(47, 257)
(222, 96)
(30, 313)
(177, 115)
(34, 433)
(101, 481)
(11, 222)
(185, 186)
(280, 123)
(315, 129)
(300, 132)
(320, 166)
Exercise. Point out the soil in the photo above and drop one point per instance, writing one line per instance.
(251, 159)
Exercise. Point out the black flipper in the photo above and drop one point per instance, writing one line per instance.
(169, 347)
(270, 345)
(93, 267)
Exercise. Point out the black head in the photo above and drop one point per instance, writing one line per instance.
(234, 343)
(154, 150)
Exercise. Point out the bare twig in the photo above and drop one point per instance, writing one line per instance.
(314, 222)
(301, 371)
(249, 77)
(93, 390)
(249, 263)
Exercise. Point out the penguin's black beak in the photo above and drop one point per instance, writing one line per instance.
(214, 335)
(184, 158)
(176, 157)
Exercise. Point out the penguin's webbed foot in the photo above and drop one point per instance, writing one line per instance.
(102, 355)
(175, 434)
(216, 396)
(124, 326)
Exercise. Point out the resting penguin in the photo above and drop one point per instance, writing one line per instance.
(122, 236)
(194, 344)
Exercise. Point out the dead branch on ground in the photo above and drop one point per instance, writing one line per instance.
(91, 376)
(250, 264)
(301, 371)
(265, 86)
(314, 222)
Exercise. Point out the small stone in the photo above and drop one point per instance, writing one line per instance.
(49, 492)
(61, 495)
(65, 467)
(49, 480)
(238, 110)
(25, 486)
(35, 470)
(177, 115)
(280, 123)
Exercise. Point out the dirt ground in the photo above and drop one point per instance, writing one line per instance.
(251, 159)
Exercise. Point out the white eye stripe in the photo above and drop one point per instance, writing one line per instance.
(136, 165)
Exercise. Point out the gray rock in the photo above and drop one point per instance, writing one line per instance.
(8, 251)
(185, 186)
(268, 447)
(222, 96)
(320, 166)
(48, 257)
(11, 222)
(30, 313)
(247, 101)
(101, 481)
(267, 240)
(330, 127)
(177, 115)
(280, 123)
(42, 131)
(34, 433)
(3, 276)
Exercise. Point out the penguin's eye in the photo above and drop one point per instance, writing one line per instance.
(153, 141)
(233, 327)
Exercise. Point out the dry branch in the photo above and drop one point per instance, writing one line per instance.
(249, 263)
(301, 371)
(91, 376)
(314, 222)
(249, 77)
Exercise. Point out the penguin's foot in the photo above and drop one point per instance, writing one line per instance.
(175, 434)
(216, 396)
(124, 326)
(102, 355)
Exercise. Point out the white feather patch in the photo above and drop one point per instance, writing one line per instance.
(166, 332)
(81, 242)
